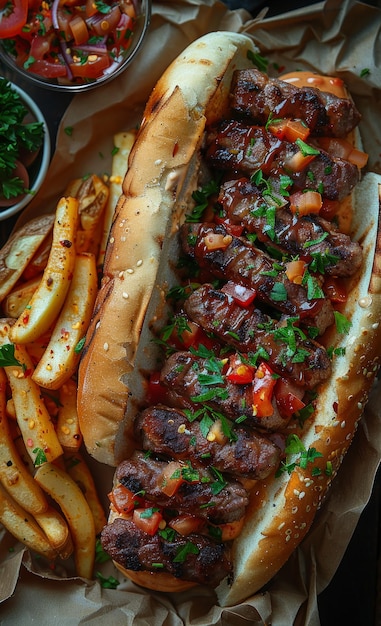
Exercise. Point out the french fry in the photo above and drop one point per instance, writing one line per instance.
(34, 421)
(14, 476)
(63, 489)
(23, 526)
(123, 143)
(79, 471)
(60, 358)
(20, 249)
(57, 531)
(40, 258)
(68, 431)
(49, 297)
(92, 194)
(18, 298)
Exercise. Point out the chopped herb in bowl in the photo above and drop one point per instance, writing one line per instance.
(24, 148)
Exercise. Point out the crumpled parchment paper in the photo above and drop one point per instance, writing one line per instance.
(333, 37)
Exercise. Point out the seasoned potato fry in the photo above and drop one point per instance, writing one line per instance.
(63, 489)
(49, 297)
(79, 471)
(92, 194)
(60, 358)
(34, 421)
(18, 298)
(57, 531)
(39, 261)
(23, 526)
(14, 476)
(68, 431)
(20, 249)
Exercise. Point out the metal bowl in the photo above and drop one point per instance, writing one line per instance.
(143, 16)
(38, 169)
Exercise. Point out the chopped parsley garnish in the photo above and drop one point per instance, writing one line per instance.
(7, 356)
(297, 455)
(16, 136)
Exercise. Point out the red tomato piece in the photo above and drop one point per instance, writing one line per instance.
(263, 388)
(233, 229)
(305, 202)
(186, 524)
(171, 478)
(148, 520)
(124, 500)
(93, 67)
(238, 372)
(288, 402)
(13, 16)
(244, 296)
(289, 129)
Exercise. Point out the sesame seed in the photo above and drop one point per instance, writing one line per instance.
(125, 295)
(105, 346)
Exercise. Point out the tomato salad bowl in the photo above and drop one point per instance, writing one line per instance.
(24, 148)
(70, 45)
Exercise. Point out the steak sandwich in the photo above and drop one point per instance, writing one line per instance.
(236, 334)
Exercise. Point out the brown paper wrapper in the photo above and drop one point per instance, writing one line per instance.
(334, 37)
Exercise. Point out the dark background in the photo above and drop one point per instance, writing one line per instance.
(354, 596)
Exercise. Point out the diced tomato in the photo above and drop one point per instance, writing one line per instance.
(358, 157)
(156, 392)
(107, 22)
(289, 129)
(90, 8)
(192, 338)
(187, 524)
(79, 30)
(13, 16)
(238, 372)
(244, 296)
(148, 519)
(93, 67)
(171, 478)
(263, 388)
(49, 69)
(295, 271)
(231, 530)
(124, 500)
(299, 161)
(344, 149)
(287, 400)
(122, 32)
(233, 229)
(305, 202)
(335, 289)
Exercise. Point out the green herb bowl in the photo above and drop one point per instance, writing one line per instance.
(78, 61)
(37, 170)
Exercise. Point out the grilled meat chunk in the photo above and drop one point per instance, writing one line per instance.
(247, 329)
(182, 373)
(243, 203)
(202, 497)
(241, 148)
(254, 96)
(168, 431)
(239, 261)
(206, 564)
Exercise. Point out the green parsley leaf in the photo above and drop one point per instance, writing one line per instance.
(7, 356)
